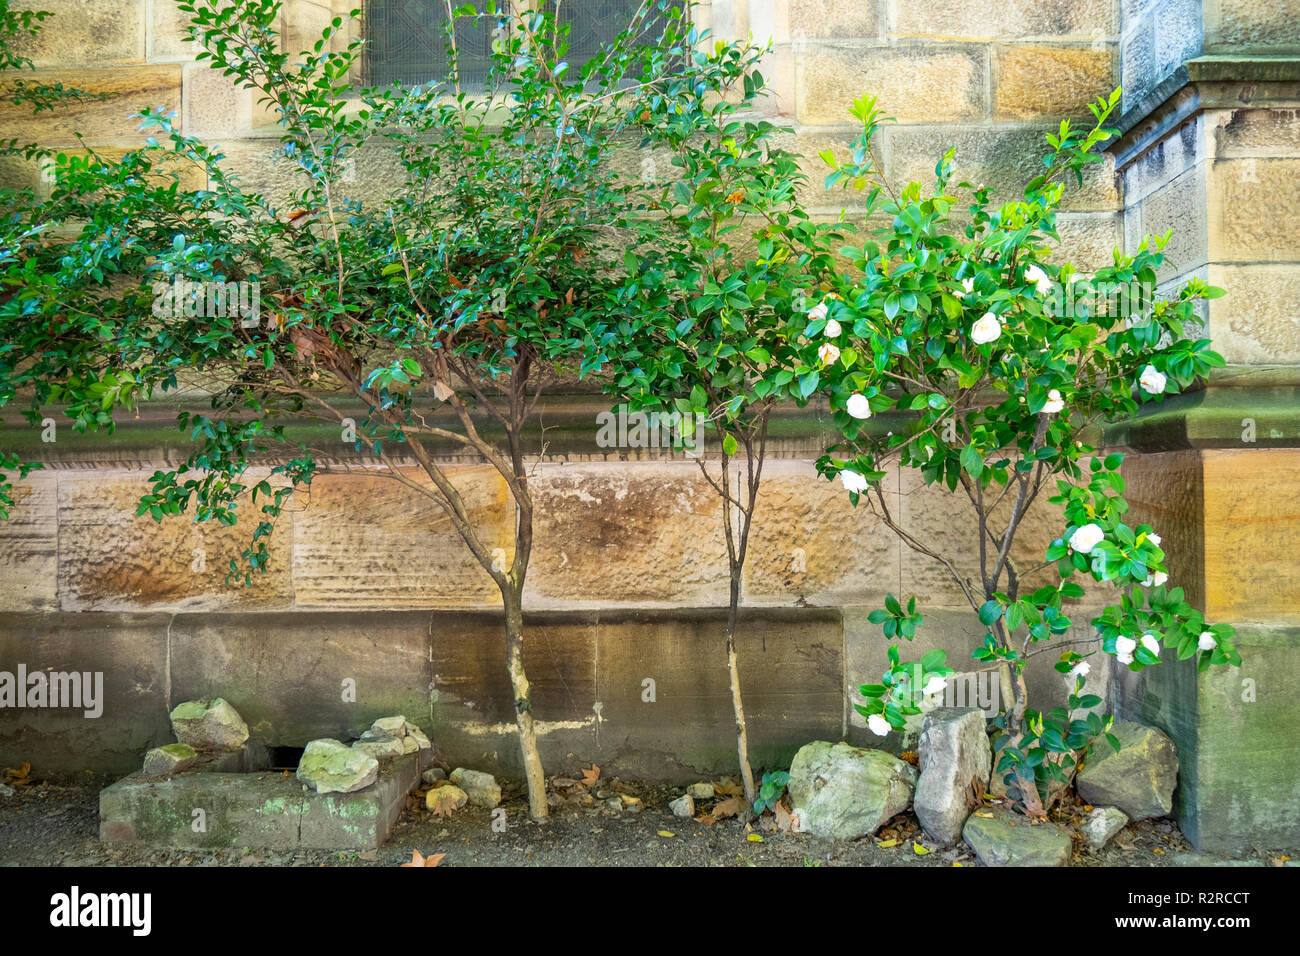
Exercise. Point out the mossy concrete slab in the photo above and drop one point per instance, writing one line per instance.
(202, 810)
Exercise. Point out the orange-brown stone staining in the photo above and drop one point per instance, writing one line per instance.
(109, 559)
(644, 533)
(1252, 520)
(29, 542)
(127, 90)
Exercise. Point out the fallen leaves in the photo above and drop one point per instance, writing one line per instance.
(19, 776)
(723, 809)
(590, 775)
(417, 859)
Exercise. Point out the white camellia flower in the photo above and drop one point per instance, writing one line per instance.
(833, 329)
(1154, 539)
(818, 311)
(1155, 580)
(986, 330)
(828, 353)
(968, 285)
(1207, 642)
(1079, 670)
(1124, 648)
(1055, 402)
(858, 406)
(1152, 382)
(1086, 538)
(934, 685)
(1150, 643)
(878, 725)
(1041, 280)
(853, 481)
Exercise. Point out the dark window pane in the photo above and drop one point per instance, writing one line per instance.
(596, 22)
(406, 44)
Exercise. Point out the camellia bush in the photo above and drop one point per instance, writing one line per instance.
(960, 322)
(424, 322)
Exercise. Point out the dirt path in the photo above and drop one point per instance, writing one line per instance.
(53, 825)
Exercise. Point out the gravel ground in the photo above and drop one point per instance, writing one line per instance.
(47, 824)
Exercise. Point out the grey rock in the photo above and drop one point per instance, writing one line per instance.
(173, 758)
(683, 806)
(209, 725)
(434, 774)
(845, 792)
(700, 791)
(389, 728)
(1006, 838)
(380, 749)
(415, 733)
(1100, 824)
(6, 790)
(483, 789)
(1139, 779)
(329, 766)
(955, 760)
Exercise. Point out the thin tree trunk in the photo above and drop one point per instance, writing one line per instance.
(533, 773)
(733, 669)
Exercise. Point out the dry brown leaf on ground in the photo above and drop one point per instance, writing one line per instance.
(442, 801)
(590, 775)
(18, 776)
(433, 859)
(728, 788)
(784, 822)
(731, 807)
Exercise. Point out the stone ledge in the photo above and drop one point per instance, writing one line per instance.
(1203, 83)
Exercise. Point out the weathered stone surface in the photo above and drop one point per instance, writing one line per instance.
(1047, 82)
(1249, 193)
(1256, 323)
(173, 758)
(1005, 838)
(914, 85)
(831, 20)
(1139, 779)
(29, 546)
(111, 559)
(388, 728)
(1252, 26)
(812, 545)
(122, 660)
(83, 33)
(433, 775)
(396, 548)
(844, 792)
(322, 675)
(1101, 824)
(667, 728)
(128, 90)
(1003, 19)
(209, 725)
(683, 806)
(381, 748)
(702, 790)
(606, 534)
(954, 762)
(481, 788)
(328, 766)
